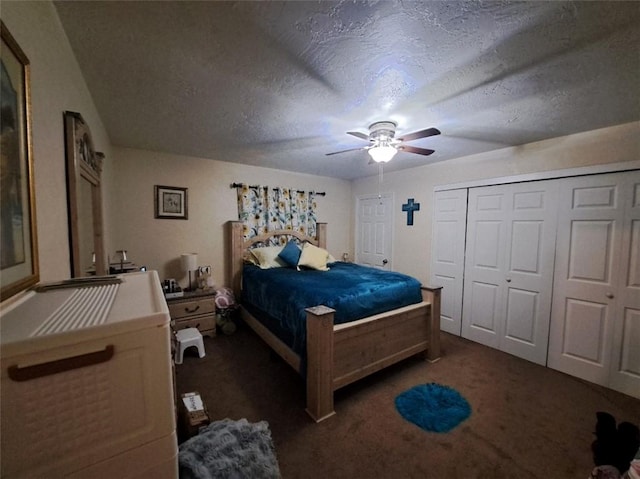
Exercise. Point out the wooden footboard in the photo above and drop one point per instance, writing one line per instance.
(338, 355)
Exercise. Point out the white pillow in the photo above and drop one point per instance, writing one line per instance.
(314, 257)
(267, 257)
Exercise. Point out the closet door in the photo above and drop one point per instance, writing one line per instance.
(485, 272)
(509, 267)
(595, 323)
(625, 363)
(447, 254)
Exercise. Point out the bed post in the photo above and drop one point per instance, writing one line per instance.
(321, 235)
(236, 238)
(432, 295)
(320, 362)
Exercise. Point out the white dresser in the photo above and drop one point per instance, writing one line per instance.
(86, 385)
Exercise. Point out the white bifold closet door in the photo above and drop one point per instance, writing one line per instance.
(510, 244)
(447, 254)
(595, 322)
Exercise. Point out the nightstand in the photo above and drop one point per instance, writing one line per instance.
(196, 309)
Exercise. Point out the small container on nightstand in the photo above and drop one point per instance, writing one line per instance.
(196, 309)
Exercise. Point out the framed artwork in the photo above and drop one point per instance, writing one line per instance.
(18, 246)
(171, 202)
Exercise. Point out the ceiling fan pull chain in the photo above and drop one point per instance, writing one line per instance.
(380, 178)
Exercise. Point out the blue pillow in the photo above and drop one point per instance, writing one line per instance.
(290, 254)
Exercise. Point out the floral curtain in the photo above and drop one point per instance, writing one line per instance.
(263, 209)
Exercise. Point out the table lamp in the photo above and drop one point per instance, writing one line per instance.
(189, 263)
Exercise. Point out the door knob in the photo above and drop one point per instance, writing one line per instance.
(508, 280)
(384, 261)
(609, 295)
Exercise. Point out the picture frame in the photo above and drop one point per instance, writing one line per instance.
(171, 203)
(18, 243)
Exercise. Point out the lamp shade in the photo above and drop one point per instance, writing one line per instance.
(382, 154)
(189, 261)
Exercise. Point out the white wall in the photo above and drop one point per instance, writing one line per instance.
(56, 85)
(158, 243)
(412, 244)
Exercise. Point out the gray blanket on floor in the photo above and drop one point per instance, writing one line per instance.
(229, 449)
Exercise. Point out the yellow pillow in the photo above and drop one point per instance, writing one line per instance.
(267, 257)
(314, 257)
(248, 258)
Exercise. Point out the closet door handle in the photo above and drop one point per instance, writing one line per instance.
(610, 295)
(61, 365)
(508, 280)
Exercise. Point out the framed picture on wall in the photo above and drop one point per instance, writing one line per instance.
(18, 246)
(171, 202)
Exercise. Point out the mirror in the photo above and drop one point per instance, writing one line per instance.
(84, 199)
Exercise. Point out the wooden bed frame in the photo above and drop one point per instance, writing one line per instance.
(340, 354)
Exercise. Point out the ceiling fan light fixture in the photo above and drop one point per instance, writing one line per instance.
(382, 153)
(383, 145)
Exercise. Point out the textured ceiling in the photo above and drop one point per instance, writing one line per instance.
(278, 84)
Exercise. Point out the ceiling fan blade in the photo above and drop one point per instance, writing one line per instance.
(414, 149)
(420, 134)
(357, 134)
(344, 151)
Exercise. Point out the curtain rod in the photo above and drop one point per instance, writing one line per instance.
(238, 185)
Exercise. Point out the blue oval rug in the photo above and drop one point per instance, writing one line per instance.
(433, 407)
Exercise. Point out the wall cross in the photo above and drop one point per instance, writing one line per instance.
(410, 207)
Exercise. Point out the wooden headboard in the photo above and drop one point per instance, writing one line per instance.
(238, 247)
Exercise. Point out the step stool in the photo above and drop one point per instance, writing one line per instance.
(186, 338)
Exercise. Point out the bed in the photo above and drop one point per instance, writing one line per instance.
(334, 355)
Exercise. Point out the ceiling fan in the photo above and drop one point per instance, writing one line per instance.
(384, 145)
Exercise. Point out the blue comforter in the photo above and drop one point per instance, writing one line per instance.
(279, 296)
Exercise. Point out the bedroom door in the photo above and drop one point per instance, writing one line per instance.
(374, 231)
(447, 254)
(511, 233)
(595, 323)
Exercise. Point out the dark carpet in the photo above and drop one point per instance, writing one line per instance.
(528, 421)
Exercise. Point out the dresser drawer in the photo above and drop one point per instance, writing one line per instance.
(206, 324)
(195, 307)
